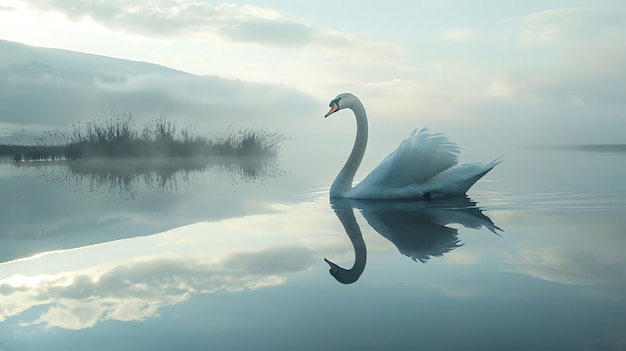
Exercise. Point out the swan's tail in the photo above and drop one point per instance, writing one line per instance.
(481, 170)
(458, 179)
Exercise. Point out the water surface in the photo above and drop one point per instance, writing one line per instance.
(531, 259)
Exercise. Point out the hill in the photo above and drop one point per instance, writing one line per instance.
(43, 89)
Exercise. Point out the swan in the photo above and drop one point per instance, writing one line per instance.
(423, 166)
(418, 229)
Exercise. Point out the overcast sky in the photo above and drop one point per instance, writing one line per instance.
(546, 70)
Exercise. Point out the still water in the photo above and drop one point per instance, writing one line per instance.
(232, 257)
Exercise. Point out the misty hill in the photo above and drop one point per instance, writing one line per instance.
(20, 54)
(43, 89)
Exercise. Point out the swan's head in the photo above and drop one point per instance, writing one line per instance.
(343, 100)
(342, 275)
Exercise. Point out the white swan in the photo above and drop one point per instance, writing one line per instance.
(423, 166)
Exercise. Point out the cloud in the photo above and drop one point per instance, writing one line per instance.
(229, 29)
(173, 19)
(7, 8)
(581, 59)
(501, 88)
(580, 74)
(267, 31)
(567, 24)
(81, 87)
(220, 39)
(163, 19)
(410, 99)
(459, 35)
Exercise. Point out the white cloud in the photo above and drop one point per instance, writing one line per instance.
(170, 19)
(576, 58)
(175, 20)
(566, 24)
(501, 88)
(269, 32)
(459, 34)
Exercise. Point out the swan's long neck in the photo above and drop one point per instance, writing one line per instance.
(343, 181)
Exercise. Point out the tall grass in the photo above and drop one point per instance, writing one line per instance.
(119, 138)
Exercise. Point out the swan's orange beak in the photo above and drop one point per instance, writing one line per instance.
(333, 109)
(333, 267)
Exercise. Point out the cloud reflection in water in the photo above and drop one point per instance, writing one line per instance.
(129, 280)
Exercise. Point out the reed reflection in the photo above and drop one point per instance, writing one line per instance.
(419, 229)
(126, 177)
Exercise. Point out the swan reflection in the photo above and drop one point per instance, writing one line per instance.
(419, 229)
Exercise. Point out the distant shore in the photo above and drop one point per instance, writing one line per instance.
(586, 147)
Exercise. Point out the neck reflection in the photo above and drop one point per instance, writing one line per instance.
(419, 229)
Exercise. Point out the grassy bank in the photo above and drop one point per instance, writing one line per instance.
(119, 138)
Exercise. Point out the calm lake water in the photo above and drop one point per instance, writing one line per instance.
(232, 257)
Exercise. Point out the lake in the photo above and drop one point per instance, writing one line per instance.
(232, 257)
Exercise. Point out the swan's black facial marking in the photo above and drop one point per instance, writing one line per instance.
(334, 107)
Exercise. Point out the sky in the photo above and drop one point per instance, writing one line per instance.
(537, 72)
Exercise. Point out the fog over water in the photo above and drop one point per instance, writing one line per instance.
(233, 253)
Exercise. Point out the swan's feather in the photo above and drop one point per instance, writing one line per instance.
(423, 163)
(417, 159)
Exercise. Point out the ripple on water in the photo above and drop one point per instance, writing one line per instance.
(500, 200)
(551, 201)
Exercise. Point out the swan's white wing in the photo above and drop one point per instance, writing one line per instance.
(418, 158)
(458, 179)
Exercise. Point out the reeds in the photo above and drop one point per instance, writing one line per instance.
(119, 138)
